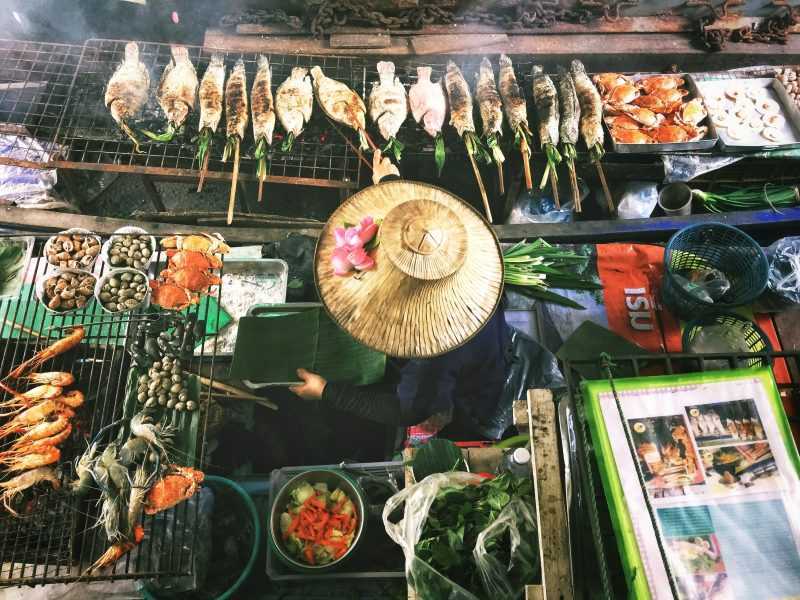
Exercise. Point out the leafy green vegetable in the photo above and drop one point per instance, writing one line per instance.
(437, 456)
(12, 261)
(456, 518)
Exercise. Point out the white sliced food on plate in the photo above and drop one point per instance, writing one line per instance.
(734, 92)
(773, 120)
(773, 134)
(737, 131)
(768, 106)
(756, 93)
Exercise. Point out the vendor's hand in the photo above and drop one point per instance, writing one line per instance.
(382, 166)
(312, 386)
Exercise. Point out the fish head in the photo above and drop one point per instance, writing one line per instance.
(577, 67)
(537, 70)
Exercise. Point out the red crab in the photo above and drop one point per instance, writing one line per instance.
(178, 485)
(193, 280)
(192, 259)
(171, 296)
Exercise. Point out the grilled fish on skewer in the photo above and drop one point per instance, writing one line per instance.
(516, 113)
(126, 92)
(568, 129)
(236, 124)
(341, 104)
(211, 91)
(176, 93)
(460, 101)
(545, 98)
(428, 107)
(294, 101)
(491, 109)
(263, 117)
(591, 126)
(388, 107)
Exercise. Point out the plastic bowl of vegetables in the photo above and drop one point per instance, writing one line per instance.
(317, 520)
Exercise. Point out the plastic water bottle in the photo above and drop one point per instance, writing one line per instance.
(517, 462)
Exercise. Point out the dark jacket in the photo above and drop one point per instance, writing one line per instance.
(468, 380)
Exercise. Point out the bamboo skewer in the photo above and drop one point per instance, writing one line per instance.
(203, 171)
(554, 186)
(260, 188)
(526, 162)
(606, 191)
(482, 189)
(500, 182)
(353, 147)
(234, 180)
(573, 183)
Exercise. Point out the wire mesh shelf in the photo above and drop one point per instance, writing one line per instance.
(56, 538)
(593, 540)
(319, 157)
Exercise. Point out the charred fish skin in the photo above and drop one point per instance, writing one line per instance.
(545, 99)
(127, 90)
(294, 101)
(490, 105)
(212, 87)
(261, 102)
(513, 100)
(340, 103)
(460, 100)
(177, 90)
(591, 127)
(236, 101)
(427, 102)
(570, 108)
(388, 103)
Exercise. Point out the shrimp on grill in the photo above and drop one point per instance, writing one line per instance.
(37, 445)
(45, 429)
(15, 486)
(60, 378)
(34, 460)
(117, 551)
(35, 415)
(32, 396)
(63, 345)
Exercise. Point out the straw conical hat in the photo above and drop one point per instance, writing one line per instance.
(438, 276)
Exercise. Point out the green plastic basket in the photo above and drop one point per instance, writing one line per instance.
(712, 246)
(753, 336)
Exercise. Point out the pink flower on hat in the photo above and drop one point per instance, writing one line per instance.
(349, 252)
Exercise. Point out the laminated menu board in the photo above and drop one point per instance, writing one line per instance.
(704, 468)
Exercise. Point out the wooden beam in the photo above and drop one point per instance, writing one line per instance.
(360, 40)
(456, 44)
(551, 514)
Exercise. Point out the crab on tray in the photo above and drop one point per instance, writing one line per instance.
(654, 113)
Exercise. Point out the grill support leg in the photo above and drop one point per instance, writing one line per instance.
(152, 193)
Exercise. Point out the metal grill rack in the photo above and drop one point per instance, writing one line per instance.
(593, 543)
(35, 79)
(319, 157)
(55, 541)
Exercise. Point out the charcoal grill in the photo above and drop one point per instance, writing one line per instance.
(55, 541)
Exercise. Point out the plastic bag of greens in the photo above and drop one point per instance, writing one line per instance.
(783, 284)
(443, 518)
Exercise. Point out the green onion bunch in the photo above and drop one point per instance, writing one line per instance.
(755, 197)
(530, 269)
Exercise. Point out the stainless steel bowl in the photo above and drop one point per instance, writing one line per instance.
(334, 478)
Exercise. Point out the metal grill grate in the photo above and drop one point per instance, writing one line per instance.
(592, 535)
(319, 156)
(35, 79)
(56, 540)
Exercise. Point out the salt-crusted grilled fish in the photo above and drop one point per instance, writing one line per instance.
(591, 126)
(511, 94)
(340, 103)
(428, 107)
(460, 99)
(491, 109)
(212, 87)
(388, 106)
(236, 102)
(545, 99)
(261, 103)
(126, 92)
(176, 93)
(568, 129)
(294, 101)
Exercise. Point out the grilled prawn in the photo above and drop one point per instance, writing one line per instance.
(126, 92)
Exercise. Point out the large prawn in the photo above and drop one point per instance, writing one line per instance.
(31, 397)
(25, 421)
(18, 450)
(15, 486)
(59, 347)
(118, 550)
(34, 460)
(45, 429)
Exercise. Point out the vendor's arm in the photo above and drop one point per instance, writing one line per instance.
(382, 168)
(373, 402)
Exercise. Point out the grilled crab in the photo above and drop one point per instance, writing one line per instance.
(692, 112)
(660, 82)
(206, 242)
(608, 81)
(192, 259)
(631, 136)
(171, 296)
(623, 94)
(179, 484)
(193, 280)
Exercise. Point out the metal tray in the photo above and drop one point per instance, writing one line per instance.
(270, 279)
(755, 142)
(706, 143)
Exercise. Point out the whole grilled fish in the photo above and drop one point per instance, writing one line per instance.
(126, 92)
(340, 103)
(513, 100)
(591, 106)
(570, 108)
(489, 104)
(178, 88)
(261, 102)
(294, 101)
(545, 99)
(236, 101)
(459, 98)
(388, 104)
(211, 89)
(427, 102)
